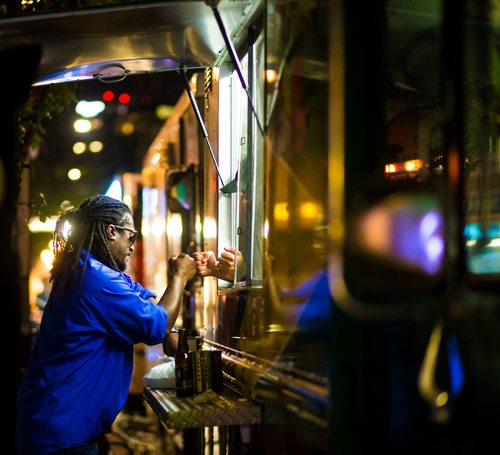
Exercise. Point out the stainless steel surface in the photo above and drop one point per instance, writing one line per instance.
(225, 408)
(111, 43)
(207, 370)
(285, 392)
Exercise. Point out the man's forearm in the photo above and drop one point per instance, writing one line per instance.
(171, 299)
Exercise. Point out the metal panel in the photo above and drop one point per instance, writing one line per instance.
(202, 410)
(111, 43)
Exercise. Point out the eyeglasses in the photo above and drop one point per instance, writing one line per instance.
(131, 238)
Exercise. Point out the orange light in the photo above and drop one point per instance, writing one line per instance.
(413, 165)
(408, 166)
(390, 168)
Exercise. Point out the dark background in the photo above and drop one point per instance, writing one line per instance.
(121, 153)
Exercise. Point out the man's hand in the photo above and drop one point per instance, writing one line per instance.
(182, 265)
(206, 264)
(222, 267)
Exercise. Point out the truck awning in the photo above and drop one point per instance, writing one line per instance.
(113, 42)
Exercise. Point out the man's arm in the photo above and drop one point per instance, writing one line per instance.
(182, 268)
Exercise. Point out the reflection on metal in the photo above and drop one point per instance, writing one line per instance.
(182, 72)
(296, 392)
(225, 408)
(404, 229)
(406, 168)
(427, 377)
(397, 231)
(237, 65)
(115, 72)
(141, 38)
(427, 380)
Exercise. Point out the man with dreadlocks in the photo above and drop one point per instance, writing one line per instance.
(81, 365)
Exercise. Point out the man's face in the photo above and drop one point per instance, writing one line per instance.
(121, 244)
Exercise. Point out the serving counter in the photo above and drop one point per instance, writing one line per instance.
(203, 410)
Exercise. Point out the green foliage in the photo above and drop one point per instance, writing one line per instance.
(39, 207)
(17, 7)
(42, 104)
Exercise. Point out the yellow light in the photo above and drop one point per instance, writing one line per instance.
(281, 212)
(145, 228)
(209, 228)
(82, 125)
(309, 210)
(271, 76)
(390, 168)
(442, 399)
(405, 166)
(96, 146)
(127, 128)
(74, 174)
(79, 148)
(163, 111)
(174, 225)
(158, 225)
(413, 165)
(47, 258)
(35, 225)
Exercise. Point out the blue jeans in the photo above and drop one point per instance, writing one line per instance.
(90, 448)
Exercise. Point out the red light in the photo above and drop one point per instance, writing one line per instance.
(124, 98)
(108, 95)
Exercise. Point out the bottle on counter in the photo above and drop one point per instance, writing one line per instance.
(183, 367)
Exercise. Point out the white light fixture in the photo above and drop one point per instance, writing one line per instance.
(89, 109)
(115, 189)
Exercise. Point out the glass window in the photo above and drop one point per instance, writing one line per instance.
(232, 150)
(394, 151)
(240, 157)
(154, 234)
(482, 145)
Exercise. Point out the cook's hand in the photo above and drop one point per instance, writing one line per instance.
(226, 263)
(183, 265)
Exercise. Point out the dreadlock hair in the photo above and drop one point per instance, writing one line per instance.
(87, 231)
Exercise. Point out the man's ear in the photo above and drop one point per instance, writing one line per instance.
(111, 232)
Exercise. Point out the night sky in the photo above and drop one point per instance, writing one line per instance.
(121, 153)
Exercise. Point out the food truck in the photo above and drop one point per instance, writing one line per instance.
(348, 152)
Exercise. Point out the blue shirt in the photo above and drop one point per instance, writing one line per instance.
(80, 369)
